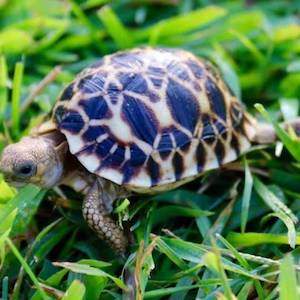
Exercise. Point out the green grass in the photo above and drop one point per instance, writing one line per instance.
(238, 238)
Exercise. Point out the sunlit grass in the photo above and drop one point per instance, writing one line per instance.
(232, 234)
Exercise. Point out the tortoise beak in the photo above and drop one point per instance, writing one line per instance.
(3, 170)
(11, 180)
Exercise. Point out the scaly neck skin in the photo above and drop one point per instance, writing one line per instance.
(73, 174)
(79, 179)
(54, 164)
(82, 181)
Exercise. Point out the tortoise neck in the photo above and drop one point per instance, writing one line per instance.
(55, 137)
(58, 142)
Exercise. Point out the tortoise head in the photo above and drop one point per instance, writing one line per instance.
(37, 160)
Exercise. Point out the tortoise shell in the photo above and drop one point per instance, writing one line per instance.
(151, 117)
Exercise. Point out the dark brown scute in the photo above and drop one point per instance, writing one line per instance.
(153, 171)
(216, 99)
(220, 152)
(200, 157)
(183, 105)
(208, 133)
(236, 113)
(235, 144)
(67, 93)
(178, 165)
(140, 118)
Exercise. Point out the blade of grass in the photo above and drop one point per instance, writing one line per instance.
(52, 239)
(50, 77)
(76, 291)
(143, 266)
(221, 271)
(6, 192)
(14, 41)
(272, 200)
(250, 239)
(281, 210)
(245, 291)
(291, 145)
(94, 31)
(225, 63)
(288, 289)
(26, 268)
(94, 263)
(184, 273)
(170, 211)
(183, 23)
(248, 44)
(288, 223)
(41, 22)
(5, 288)
(53, 280)
(16, 96)
(19, 280)
(81, 16)
(85, 269)
(122, 207)
(115, 28)
(169, 291)
(94, 286)
(55, 293)
(5, 229)
(49, 40)
(168, 251)
(7, 222)
(246, 196)
(27, 202)
(213, 262)
(286, 32)
(3, 87)
(94, 3)
(223, 217)
(286, 179)
(243, 262)
(181, 250)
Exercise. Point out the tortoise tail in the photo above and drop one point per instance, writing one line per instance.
(265, 133)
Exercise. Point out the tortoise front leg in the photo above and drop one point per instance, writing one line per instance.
(98, 218)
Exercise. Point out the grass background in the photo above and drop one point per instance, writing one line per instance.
(232, 234)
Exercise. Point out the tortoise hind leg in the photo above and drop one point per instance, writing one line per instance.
(265, 133)
(295, 124)
(97, 216)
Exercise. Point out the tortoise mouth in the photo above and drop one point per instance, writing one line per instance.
(12, 180)
(18, 184)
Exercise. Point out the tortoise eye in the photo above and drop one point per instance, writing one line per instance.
(26, 169)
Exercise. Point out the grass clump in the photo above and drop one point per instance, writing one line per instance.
(232, 234)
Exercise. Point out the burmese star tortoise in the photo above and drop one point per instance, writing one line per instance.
(140, 121)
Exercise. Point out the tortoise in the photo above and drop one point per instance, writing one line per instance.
(146, 121)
